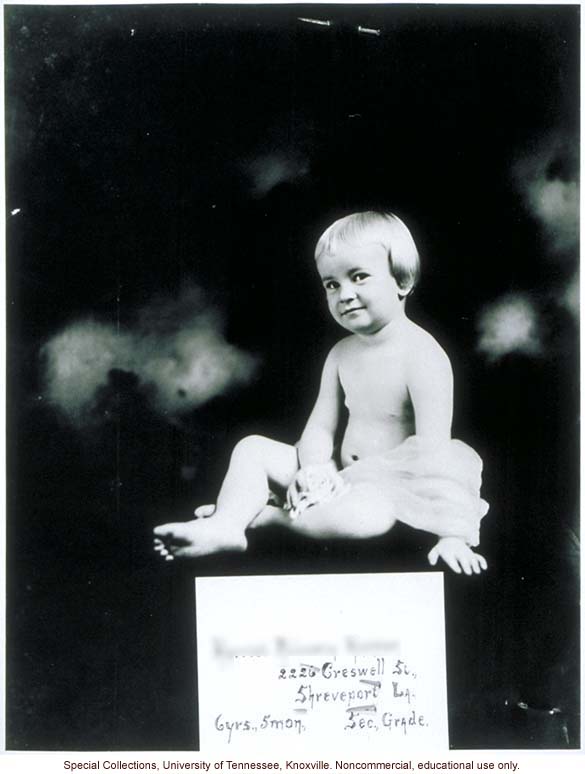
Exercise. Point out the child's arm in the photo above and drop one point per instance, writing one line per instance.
(316, 446)
(430, 384)
(316, 443)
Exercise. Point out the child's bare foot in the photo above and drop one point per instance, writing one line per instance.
(458, 556)
(191, 539)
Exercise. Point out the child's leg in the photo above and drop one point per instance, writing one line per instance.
(359, 513)
(256, 461)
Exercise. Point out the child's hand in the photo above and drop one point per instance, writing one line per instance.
(457, 554)
(313, 484)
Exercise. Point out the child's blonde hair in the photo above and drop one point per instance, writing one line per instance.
(382, 228)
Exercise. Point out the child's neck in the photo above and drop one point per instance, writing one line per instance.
(386, 333)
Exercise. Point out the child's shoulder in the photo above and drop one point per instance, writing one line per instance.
(424, 349)
(342, 346)
(421, 336)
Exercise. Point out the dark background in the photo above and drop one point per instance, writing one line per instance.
(129, 156)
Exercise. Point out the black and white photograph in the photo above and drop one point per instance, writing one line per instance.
(292, 339)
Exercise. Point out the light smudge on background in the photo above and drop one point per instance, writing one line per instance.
(510, 325)
(175, 348)
(283, 156)
(548, 183)
(570, 297)
(267, 171)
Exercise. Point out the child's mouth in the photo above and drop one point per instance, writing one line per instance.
(353, 309)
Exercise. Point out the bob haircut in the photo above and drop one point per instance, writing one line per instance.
(382, 228)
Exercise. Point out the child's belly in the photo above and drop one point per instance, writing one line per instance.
(367, 437)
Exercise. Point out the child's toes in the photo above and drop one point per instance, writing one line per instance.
(166, 555)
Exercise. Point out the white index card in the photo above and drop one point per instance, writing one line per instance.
(327, 662)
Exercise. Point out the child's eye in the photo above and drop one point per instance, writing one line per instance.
(331, 285)
(360, 276)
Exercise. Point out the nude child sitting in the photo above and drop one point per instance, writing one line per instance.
(398, 461)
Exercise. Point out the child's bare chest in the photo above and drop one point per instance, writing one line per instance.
(374, 383)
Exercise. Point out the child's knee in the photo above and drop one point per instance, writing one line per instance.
(251, 446)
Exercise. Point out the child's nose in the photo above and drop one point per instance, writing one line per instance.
(347, 291)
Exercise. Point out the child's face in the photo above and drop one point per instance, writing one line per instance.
(362, 294)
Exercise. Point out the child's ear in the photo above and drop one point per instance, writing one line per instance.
(405, 289)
